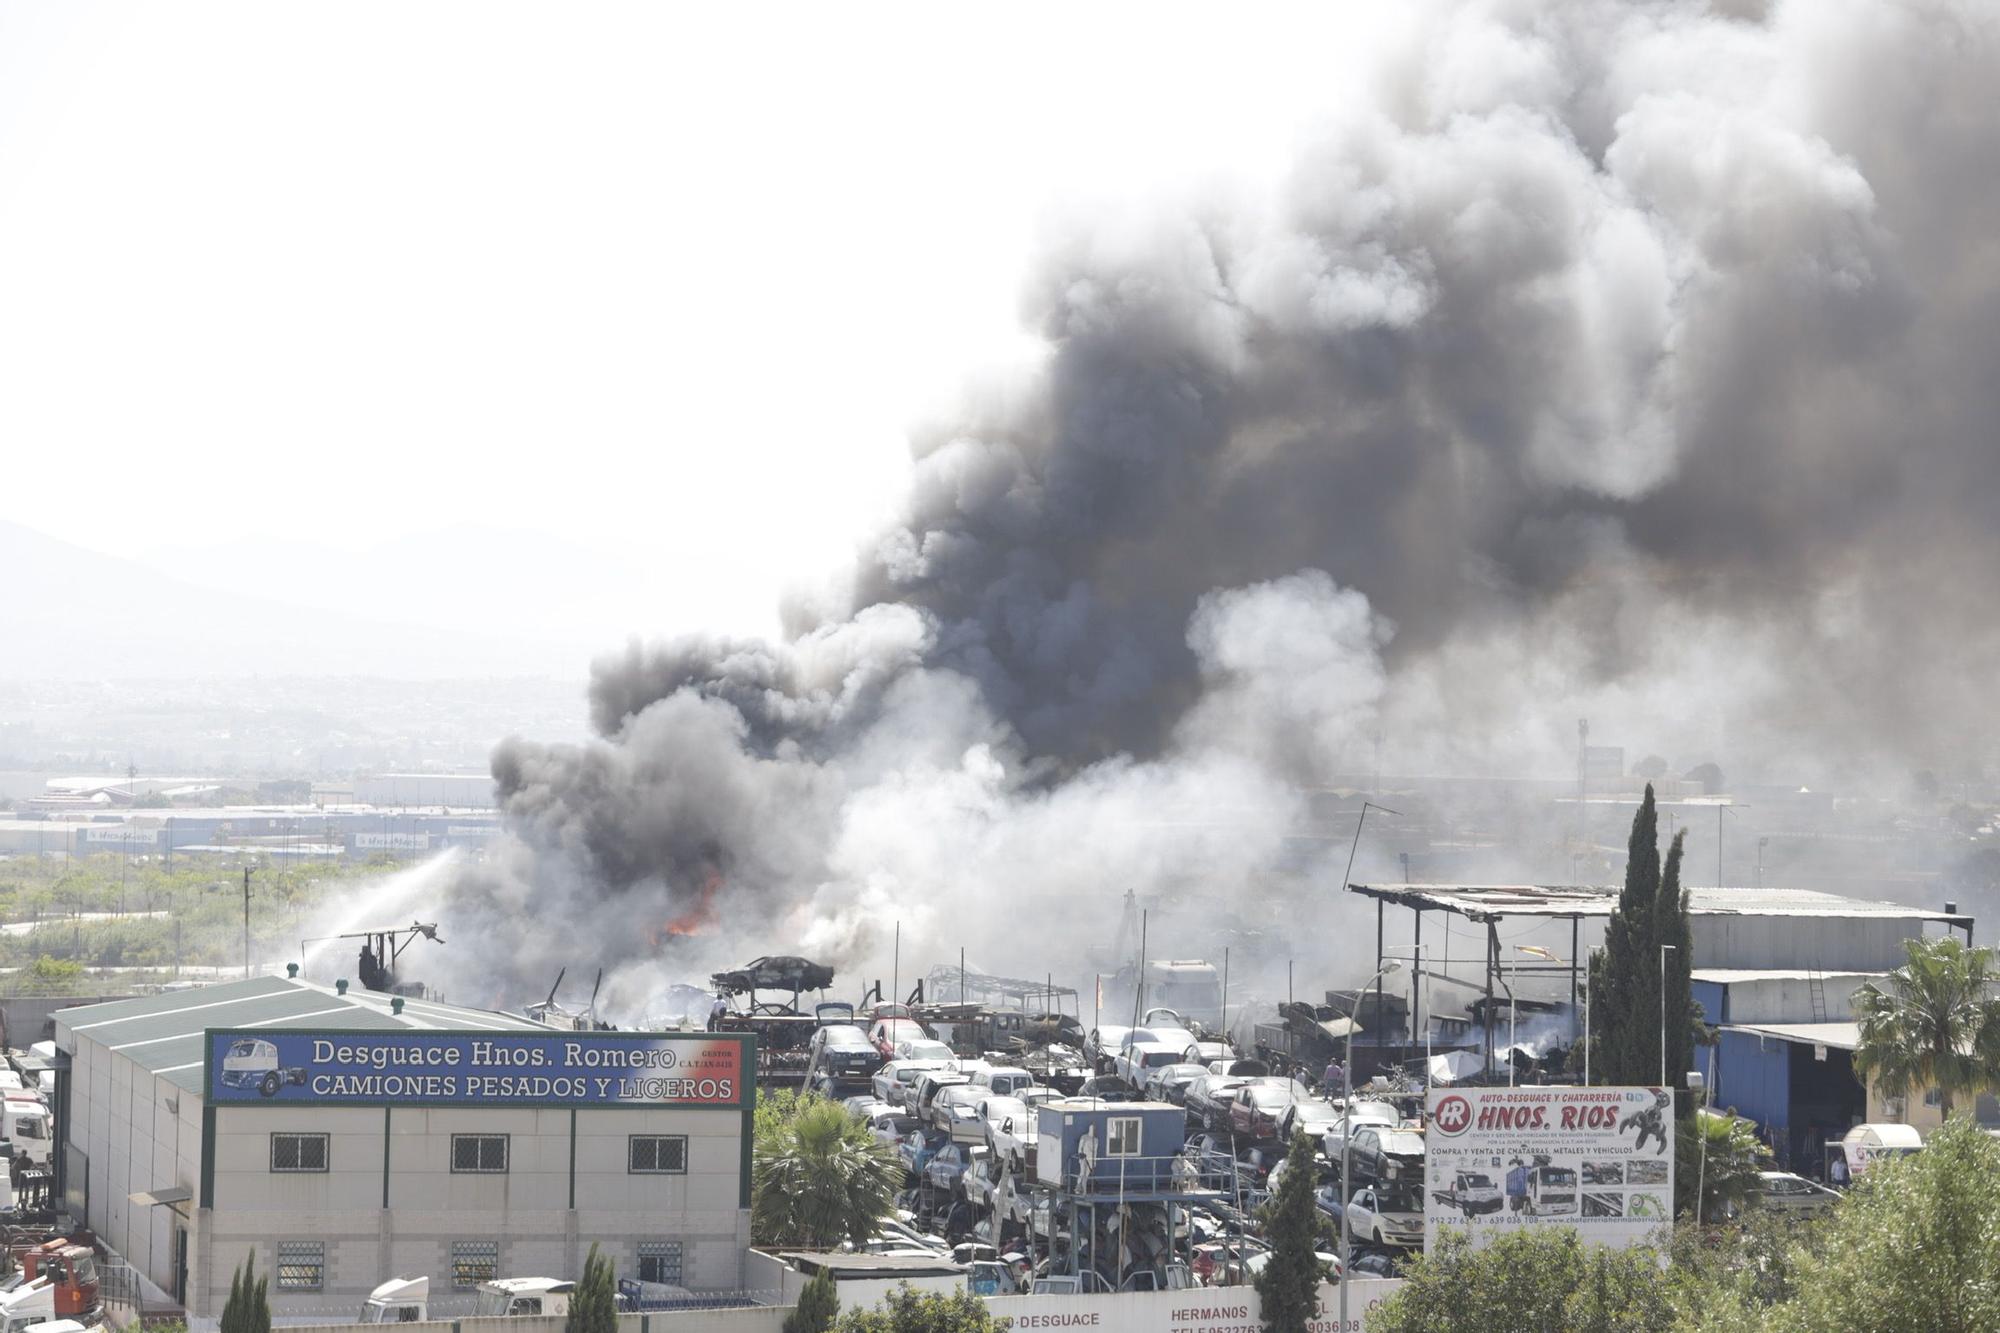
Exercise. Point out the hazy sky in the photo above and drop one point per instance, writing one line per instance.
(671, 275)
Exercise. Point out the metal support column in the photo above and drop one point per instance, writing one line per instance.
(1381, 1029)
(1492, 962)
(1575, 1018)
(1416, 982)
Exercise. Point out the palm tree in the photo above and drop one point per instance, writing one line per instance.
(1934, 1025)
(1719, 1155)
(819, 1178)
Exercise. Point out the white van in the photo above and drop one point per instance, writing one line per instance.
(1866, 1144)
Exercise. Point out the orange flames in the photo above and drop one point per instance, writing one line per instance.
(698, 918)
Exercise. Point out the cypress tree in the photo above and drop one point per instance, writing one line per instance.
(818, 1307)
(1289, 1283)
(1629, 971)
(593, 1306)
(248, 1309)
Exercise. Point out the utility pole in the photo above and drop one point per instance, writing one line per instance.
(246, 923)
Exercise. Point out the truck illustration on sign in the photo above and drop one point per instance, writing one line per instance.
(253, 1063)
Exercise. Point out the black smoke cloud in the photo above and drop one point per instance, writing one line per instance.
(1630, 360)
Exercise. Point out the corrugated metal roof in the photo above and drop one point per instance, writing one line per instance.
(163, 1033)
(1838, 1036)
(1493, 901)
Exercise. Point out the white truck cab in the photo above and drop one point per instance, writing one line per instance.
(26, 1125)
(523, 1295)
(400, 1300)
(33, 1306)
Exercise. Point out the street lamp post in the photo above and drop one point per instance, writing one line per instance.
(1347, 1141)
(1665, 949)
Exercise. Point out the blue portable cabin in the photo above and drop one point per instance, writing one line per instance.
(1133, 1146)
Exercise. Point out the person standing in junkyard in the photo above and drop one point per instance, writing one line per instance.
(717, 1012)
(1335, 1079)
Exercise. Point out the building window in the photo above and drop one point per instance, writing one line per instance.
(660, 1261)
(1933, 1098)
(302, 1263)
(658, 1154)
(298, 1152)
(474, 1262)
(1121, 1137)
(479, 1153)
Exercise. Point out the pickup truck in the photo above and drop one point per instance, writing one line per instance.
(1472, 1193)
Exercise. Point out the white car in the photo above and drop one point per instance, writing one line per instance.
(1363, 1115)
(955, 1110)
(1317, 1119)
(1012, 1130)
(1169, 1083)
(894, 1080)
(1145, 1049)
(1386, 1217)
(1004, 1081)
(1785, 1191)
(891, 1126)
(926, 1048)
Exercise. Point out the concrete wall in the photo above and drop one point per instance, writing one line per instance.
(526, 1210)
(1202, 1310)
(137, 1132)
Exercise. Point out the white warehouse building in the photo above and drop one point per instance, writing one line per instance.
(346, 1137)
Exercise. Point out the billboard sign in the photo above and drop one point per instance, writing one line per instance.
(1597, 1159)
(272, 1067)
(392, 842)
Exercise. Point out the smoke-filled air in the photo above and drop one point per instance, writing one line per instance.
(1630, 361)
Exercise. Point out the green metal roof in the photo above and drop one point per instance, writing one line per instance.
(163, 1033)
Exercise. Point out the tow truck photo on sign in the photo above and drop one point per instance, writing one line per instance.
(1597, 1159)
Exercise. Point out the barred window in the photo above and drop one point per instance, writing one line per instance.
(1121, 1137)
(474, 1262)
(298, 1152)
(658, 1154)
(660, 1261)
(301, 1264)
(481, 1153)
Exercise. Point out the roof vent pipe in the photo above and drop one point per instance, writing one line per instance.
(396, 1004)
(340, 986)
(291, 969)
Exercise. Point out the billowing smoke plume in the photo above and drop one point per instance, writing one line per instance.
(1631, 360)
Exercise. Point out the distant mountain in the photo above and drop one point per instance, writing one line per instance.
(480, 579)
(66, 610)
